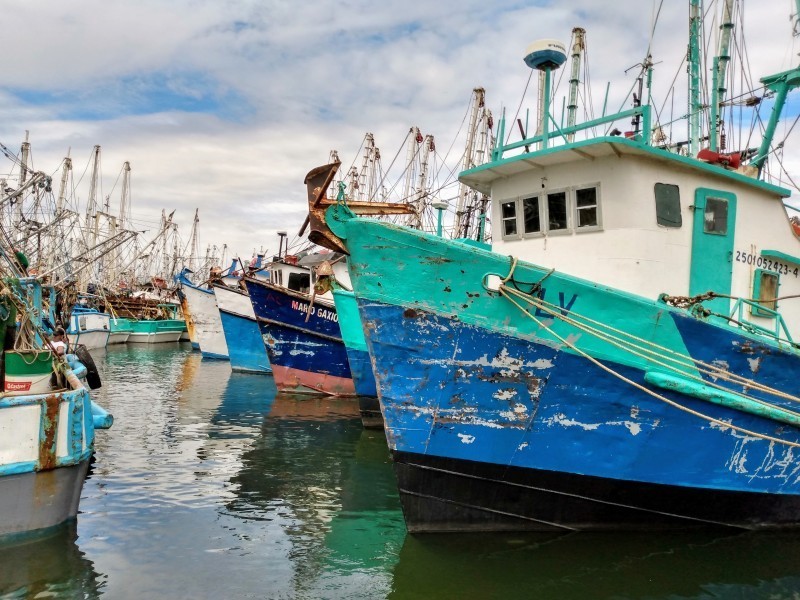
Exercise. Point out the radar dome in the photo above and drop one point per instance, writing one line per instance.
(545, 54)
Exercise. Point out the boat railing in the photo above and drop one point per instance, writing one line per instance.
(780, 332)
(543, 140)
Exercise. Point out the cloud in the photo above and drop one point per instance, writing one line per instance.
(225, 105)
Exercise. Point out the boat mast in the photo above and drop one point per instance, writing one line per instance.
(194, 246)
(578, 46)
(694, 59)
(719, 72)
(91, 218)
(23, 177)
(119, 224)
(414, 140)
(62, 188)
(422, 181)
(463, 208)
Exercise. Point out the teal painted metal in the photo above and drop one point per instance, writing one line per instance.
(781, 255)
(644, 111)
(781, 84)
(101, 418)
(17, 468)
(545, 118)
(694, 59)
(780, 333)
(711, 268)
(718, 74)
(429, 258)
(656, 153)
(721, 397)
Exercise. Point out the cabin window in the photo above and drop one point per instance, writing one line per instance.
(586, 208)
(765, 292)
(668, 205)
(715, 219)
(277, 277)
(509, 215)
(299, 282)
(557, 211)
(532, 215)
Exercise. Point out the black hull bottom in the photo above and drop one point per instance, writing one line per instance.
(441, 494)
(370, 408)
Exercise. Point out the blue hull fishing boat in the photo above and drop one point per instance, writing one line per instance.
(303, 340)
(242, 336)
(620, 359)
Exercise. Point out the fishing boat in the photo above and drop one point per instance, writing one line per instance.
(358, 357)
(620, 358)
(48, 420)
(89, 327)
(205, 317)
(242, 335)
(121, 330)
(300, 330)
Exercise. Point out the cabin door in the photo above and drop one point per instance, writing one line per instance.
(712, 246)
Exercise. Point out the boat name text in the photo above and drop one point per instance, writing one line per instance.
(322, 313)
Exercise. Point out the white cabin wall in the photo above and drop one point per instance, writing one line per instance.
(632, 252)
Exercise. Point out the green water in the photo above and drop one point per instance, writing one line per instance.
(211, 486)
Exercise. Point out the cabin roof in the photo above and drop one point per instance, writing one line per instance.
(482, 177)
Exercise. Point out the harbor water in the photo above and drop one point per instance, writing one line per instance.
(211, 485)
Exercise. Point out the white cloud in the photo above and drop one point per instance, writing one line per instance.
(295, 80)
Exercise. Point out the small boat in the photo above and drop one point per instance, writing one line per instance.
(204, 316)
(49, 422)
(89, 327)
(121, 329)
(246, 348)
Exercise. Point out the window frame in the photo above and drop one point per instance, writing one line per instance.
(759, 310)
(574, 192)
(544, 213)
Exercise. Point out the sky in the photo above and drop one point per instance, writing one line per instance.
(225, 105)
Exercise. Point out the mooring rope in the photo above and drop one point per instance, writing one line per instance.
(657, 352)
(640, 387)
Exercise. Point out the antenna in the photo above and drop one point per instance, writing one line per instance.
(545, 56)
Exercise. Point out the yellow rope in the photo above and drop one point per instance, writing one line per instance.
(717, 373)
(660, 352)
(644, 389)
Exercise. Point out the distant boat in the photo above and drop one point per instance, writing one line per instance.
(48, 422)
(89, 327)
(242, 335)
(303, 340)
(120, 330)
(204, 316)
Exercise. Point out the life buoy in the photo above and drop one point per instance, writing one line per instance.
(92, 376)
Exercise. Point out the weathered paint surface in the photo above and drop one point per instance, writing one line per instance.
(303, 341)
(464, 374)
(354, 341)
(205, 319)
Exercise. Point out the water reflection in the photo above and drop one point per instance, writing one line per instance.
(48, 566)
(643, 565)
(329, 485)
(210, 485)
